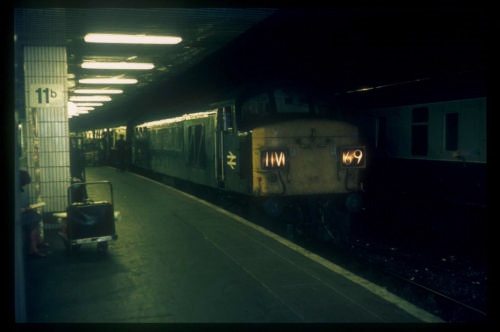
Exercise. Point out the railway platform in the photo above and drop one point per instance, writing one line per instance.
(178, 259)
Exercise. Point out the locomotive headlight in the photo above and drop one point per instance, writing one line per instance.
(273, 159)
(272, 178)
(354, 202)
(353, 157)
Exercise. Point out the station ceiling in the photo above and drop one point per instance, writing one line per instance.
(333, 52)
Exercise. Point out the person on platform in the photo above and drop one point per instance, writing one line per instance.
(77, 162)
(30, 219)
(121, 152)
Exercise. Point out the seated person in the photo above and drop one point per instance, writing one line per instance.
(30, 219)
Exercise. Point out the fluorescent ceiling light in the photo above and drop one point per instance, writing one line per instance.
(73, 110)
(87, 108)
(90, 98)
(117, 65)
(108, 81)
(88, 104)
(130, 39)
(71, 107)
(99, 91)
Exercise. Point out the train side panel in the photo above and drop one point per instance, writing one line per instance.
(181, 148)
(430, 149)
(198, 163)
(237, 163)
(445, 131)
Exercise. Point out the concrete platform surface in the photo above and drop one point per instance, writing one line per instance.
(178, 259)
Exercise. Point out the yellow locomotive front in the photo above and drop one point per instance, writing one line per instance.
(307, 162)
(307, 157)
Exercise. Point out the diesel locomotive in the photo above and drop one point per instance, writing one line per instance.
(277, 149)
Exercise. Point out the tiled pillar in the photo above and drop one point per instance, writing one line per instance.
(47, 132)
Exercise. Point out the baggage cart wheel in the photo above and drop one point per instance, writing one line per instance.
(102, 246)
(75, 247)
(66, 242)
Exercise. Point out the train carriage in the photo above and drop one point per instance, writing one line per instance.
(428, 169)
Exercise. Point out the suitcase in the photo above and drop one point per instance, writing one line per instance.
(89, 221)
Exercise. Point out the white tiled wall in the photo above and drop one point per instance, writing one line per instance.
(47, 132)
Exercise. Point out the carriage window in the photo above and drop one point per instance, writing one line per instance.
(172, 139)
(451, 131)
(196, 146)
(419, 137)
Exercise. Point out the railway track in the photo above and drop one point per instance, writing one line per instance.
(424, 280)
(448, 308)
(425, 283)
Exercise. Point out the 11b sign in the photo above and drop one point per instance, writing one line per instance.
(46, 95)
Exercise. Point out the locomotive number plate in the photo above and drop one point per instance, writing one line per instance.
(273, 159)
(353, 157)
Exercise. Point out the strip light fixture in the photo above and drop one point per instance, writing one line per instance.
(110, 80)
(90, 98)
(98, 91)
(73, 110)
(84, 108)
(78, 104)
(109, 38)
(118, 65)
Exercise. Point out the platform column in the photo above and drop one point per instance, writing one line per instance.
(47, 128)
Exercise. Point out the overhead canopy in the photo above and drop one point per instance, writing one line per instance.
(334, 53)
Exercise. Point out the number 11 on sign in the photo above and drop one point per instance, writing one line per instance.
(47, 95)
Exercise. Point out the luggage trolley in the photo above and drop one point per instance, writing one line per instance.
(89, 221)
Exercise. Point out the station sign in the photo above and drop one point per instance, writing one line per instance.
(46, 95)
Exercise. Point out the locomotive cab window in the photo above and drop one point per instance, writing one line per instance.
(291, 103)
(256, 106)
(274, 106)
(254, 111)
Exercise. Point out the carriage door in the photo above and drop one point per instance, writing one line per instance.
(226, 163)
(223, 114)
